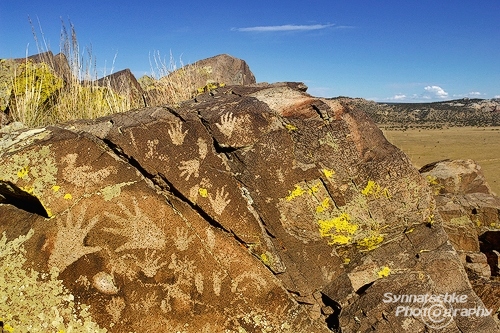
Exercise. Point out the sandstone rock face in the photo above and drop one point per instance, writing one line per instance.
(249, 209)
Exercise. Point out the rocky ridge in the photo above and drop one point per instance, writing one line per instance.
(462, 112)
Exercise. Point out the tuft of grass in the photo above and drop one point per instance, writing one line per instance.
(51, 89)
(170, 83)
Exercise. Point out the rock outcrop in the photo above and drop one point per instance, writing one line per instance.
(199, 77)
(249, 209)
(125, 84)
(471, 218)
(45, 73)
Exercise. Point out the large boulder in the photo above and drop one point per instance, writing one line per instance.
(125, 84)
(27, 84)
(190, 80)
(223, 69)
(249, 209)
(464, 200)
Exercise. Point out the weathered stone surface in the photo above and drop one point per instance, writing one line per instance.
(223, 68)
(470, 213)
(124, 83)
(464, 201)
(456, 177)
(249, 209)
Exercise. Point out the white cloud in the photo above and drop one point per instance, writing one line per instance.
(286, 27)
(399, 97)
(474, 93)
(434, 92)
(496, 96)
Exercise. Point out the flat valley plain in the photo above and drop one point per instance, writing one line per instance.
(423, 146)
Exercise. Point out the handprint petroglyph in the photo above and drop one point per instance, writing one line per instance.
(227, 124)
(144, 304)
(115, 307)
(184, 272)
(190, 168)
(150, 265)
(217, 278)
(69, 243)
(202, 148)
(152, 151)
(83, 176)
(256, 282)
(220, 201)
(182, 239)
(141, 231)
(176, 134)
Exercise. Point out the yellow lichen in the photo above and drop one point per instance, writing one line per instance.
(384, 272)
(28, 189)
(432, 180)
(371, 242)
(23, 172)
(266, 259)
(409, 230)
(373, 188)
(56, 188)
(203, 192)
(339, 239)
(337, 229)
(296, 192)
(291, 127)
(434, 183)
(68, 196)
(325, 204)
(347, 261)
(314, 188)
(328, 173)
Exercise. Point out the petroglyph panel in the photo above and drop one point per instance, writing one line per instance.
(137, 227)
(176, 134)
(83, 176)
(68, 245)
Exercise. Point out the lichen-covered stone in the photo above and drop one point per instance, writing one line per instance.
(249, 209)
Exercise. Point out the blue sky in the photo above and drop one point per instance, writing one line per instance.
(400, 50)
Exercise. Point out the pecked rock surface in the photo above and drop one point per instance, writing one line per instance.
(248, 209)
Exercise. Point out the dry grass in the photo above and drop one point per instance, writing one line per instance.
(430, 145)
(171, 83)
(41, 98)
